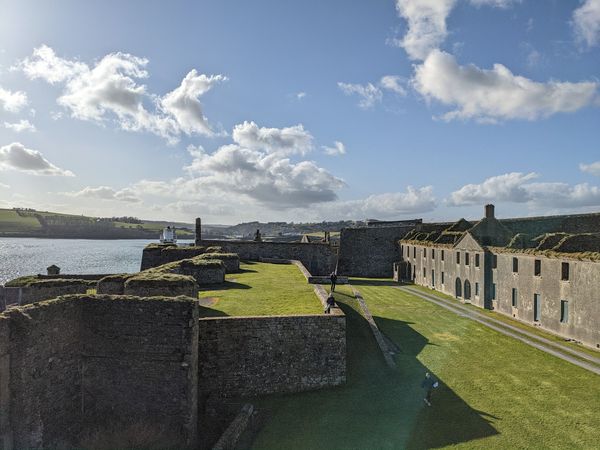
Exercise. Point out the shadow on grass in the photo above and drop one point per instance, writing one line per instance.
(377, 408)
(372, 282)
(209, 312)
(224, 286)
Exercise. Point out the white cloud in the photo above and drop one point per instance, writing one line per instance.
(426, 20)
(110, 90)
(413, 201)
(4, 186)
(592, 168)
(426, 25)
(184, 105)
(255, 169)
(392, 83)
(300, 95)
(289, 140)
(12, 101)
(369, 94)
(586, 22)
(507, 187)
(20, 126)
(338, 149)
(518, 188)
(16, 156)
(494, 3)
(46, 65)
(106, 193)
(496, 94)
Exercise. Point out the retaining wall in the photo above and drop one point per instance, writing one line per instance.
(240, 356)
(78, 363)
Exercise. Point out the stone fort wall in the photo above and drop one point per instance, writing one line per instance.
(71, 364)
(319, 259)
(240, 356)
(370, 251)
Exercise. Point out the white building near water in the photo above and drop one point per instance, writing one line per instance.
(168, 236)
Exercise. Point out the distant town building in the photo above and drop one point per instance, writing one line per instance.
(544, 271)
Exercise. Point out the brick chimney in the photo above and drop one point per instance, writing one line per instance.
(489, 211)
(198, 230)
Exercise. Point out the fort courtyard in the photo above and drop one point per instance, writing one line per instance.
(495, 392)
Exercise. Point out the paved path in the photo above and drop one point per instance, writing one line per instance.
(573, 356)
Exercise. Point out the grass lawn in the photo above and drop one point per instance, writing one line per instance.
(495, 392)
(11, 222)
(515, 323)
(261, 289)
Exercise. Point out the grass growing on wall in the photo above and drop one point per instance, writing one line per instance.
(495, 392)
(262, 289)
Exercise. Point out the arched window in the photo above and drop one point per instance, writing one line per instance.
(467, 290)
(458, 288)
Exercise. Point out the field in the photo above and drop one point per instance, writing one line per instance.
(495, 392)
(261, 289)
(26, 224)
(10, 221)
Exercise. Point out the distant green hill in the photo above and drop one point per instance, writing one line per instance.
(32, 223)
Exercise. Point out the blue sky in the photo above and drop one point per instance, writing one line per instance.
(280, 110)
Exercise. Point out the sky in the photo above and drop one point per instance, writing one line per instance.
(275, 110)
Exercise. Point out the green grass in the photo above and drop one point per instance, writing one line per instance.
(513, 322)
(11, 222)
(262, 289)
(495, 392)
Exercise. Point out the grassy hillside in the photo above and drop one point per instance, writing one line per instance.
(32, 223)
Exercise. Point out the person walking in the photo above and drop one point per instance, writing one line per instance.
(333, 278)
(330, 303)
(429, 383)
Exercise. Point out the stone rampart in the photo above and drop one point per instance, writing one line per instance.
(162, 285)
(370, 251)
(231, 261)
(241, 356)
(80, 363)
(141, 362)
(320, 259)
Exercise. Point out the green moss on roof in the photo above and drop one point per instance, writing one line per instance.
(153, 278)
(35, 281)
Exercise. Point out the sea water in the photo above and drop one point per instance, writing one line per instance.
(28, 256)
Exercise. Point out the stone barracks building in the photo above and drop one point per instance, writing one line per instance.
(544, 271)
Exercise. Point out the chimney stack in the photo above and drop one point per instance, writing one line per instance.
(489, 211)
(198, 230)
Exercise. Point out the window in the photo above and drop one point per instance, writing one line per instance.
(476, 288)
(564, 311)
(537, 267)
(433, 277)
(424, 273)
(414, 252)
(515, 265)
(442, 277)
(515, 298)
(442, 255)
(433, 253)
(477, 260)
(424, 253)
(467, 259)
(457, 257)
(564, 272)
(407, 251)
(493, 291)
(537, 307)
(494, 261)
